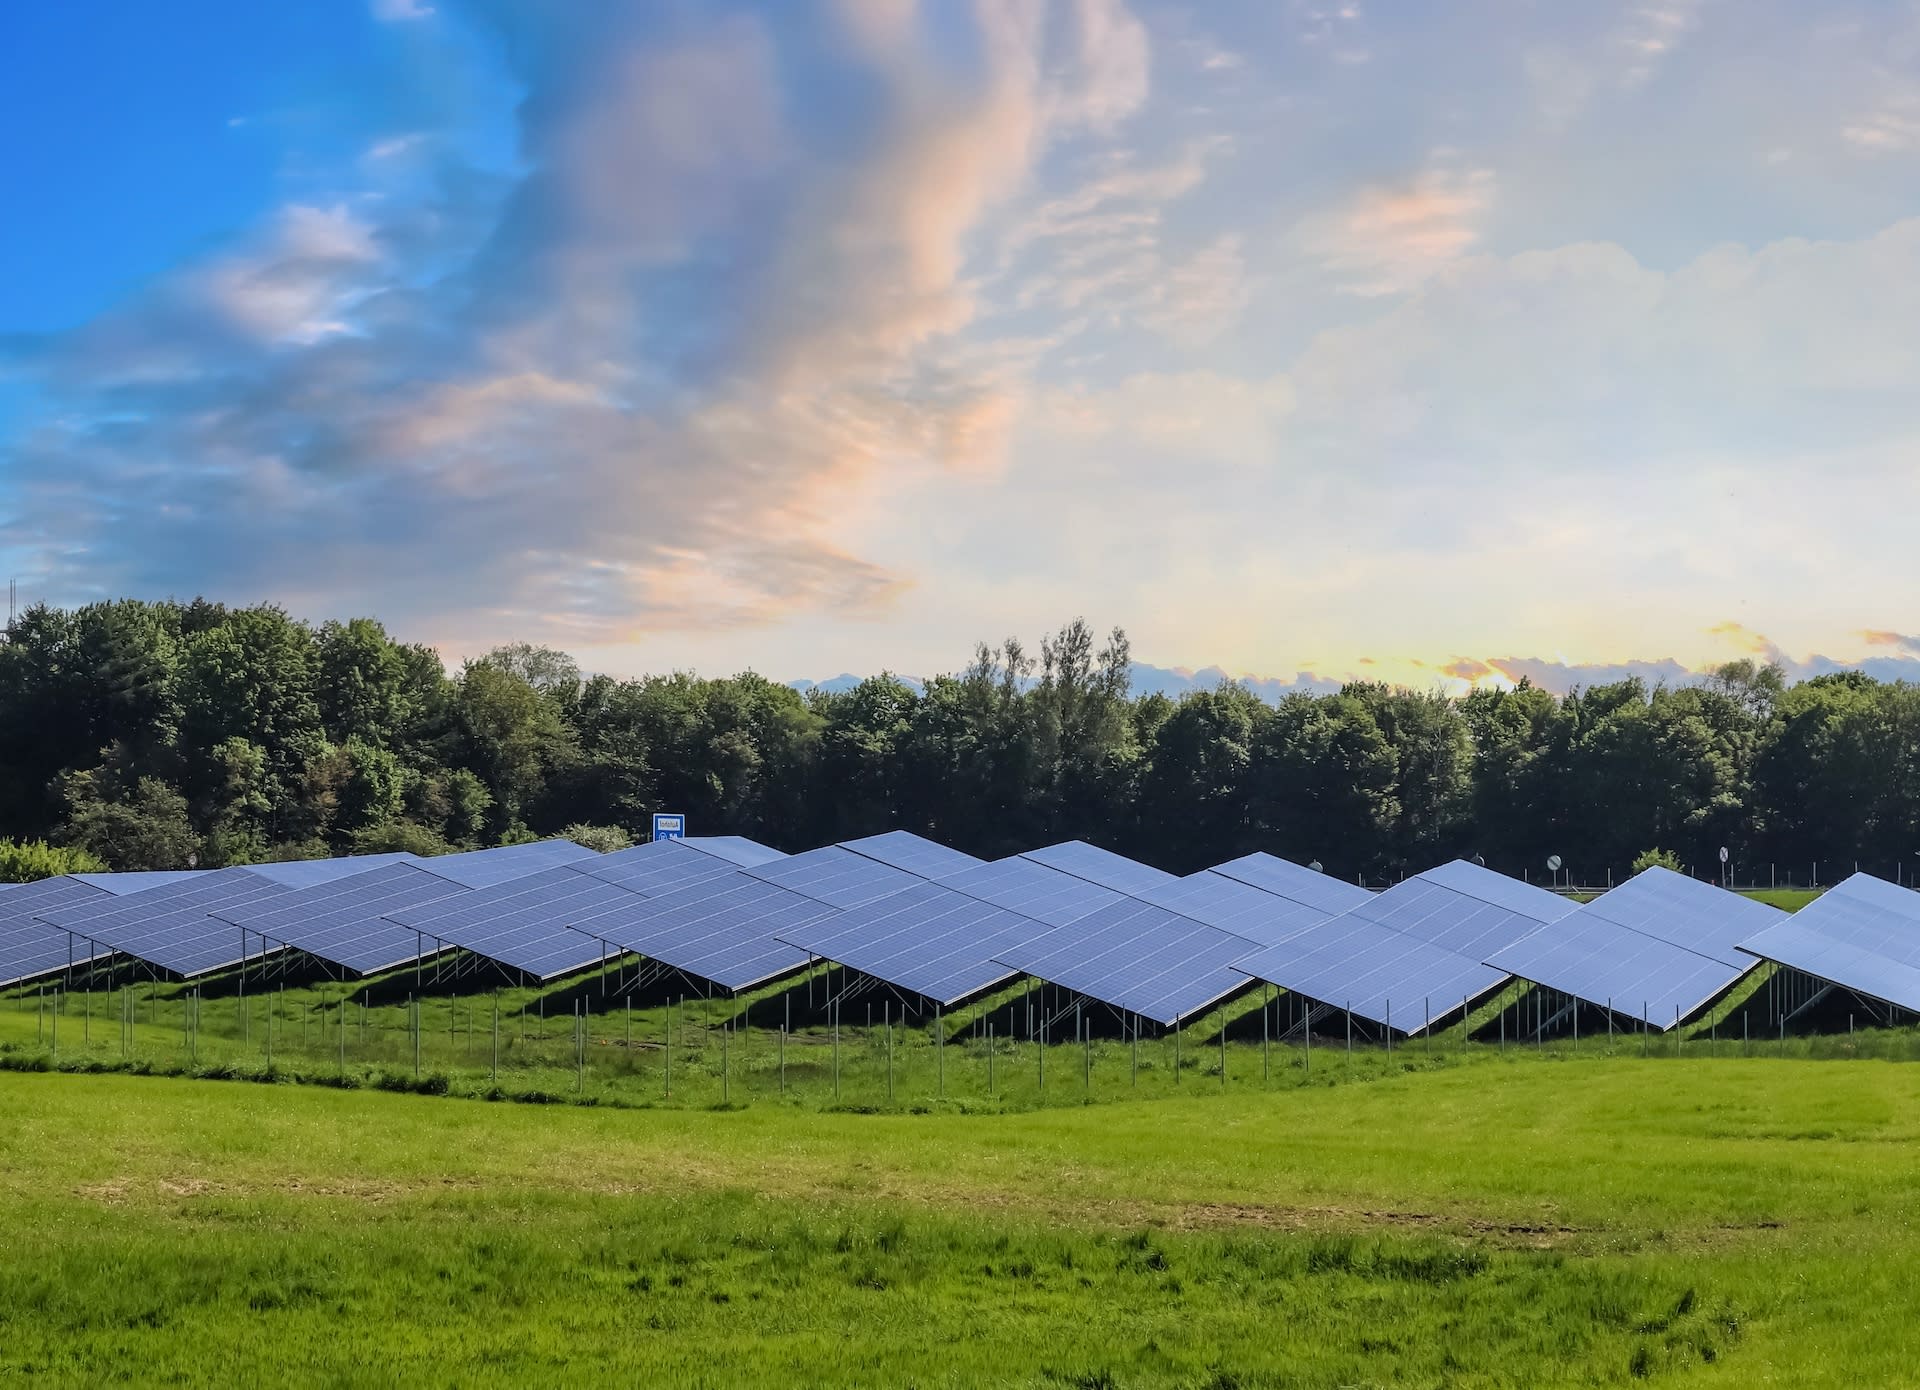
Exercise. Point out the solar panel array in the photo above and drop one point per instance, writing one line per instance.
(30, 948)
(307, 873)
(1100, 866)
(169, 926)
(1618, 968)
(835, 876)
(913, 853)
(1464, 908)
(1863, 934)
(1233, 906)
(1392, 979)
(344, 921)
(728, 930)
(928, 939)
(1033, 890)
(667, 866)
(1685, 912)
(1139, 958)
(1296, 883)
(482, 868)
(525, 923)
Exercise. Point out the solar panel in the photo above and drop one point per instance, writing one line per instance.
(1285, 879)
(482, 868)
(663, 866)
(1683, 912)
(29, 947)
(1871, 914)
(728, 930)
(137, 881)
(1471, 911)
(525, 922)
(343, 922)
(737, 850)
(1234, 906)
(1100, 866)
(913, 853)
(1814, 952)
(168, 926)
(1613, 966)
(835, 876)
(1137, 957)
(305, 873)
(1863, 934)
(928, 939)
(1375, 972)
(1033, 890)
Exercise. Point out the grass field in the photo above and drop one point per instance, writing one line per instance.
(1526, 1219)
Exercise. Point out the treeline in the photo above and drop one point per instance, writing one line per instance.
(149, 734)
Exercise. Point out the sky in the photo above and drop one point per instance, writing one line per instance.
(1434, 344)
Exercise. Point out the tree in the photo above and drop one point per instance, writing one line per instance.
(604, 838)
(1656, 859)
(146, 829)
(36, 859)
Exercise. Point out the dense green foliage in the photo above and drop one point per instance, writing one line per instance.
(1581, 1221)
(36, 859)
(147, 732)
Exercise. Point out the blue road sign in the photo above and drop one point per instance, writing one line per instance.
(669, 827)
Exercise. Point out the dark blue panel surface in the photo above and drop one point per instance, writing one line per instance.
(1683, 912)
(1470, 911)
(169, 926)
(1033, 890)
(835, 876)
(1611, 966)
(483, 868)
(525, 922)
(1231, 905)
(1100, 866)
(305, 873)
(928, 939)
(663, 866)
(1139, 958)
(344, 921)
(1375, 972)
(913, 853)
(1294, 882)
(29, 947)
(727, 930)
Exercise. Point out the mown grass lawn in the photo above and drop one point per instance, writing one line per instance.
(1525, 1220)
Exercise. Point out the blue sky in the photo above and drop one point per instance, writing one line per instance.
(1438, 343)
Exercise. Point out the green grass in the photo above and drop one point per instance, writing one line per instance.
(1528, 1219)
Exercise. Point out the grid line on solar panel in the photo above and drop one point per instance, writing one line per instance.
(1683, 912)
(1285, 879)
(343, 921)
(308, 873)
(928, 939)
(1233, 906)
(724, 930)
(526, 922)
(1139, 958)
(660, 867)
(1870, 914)
(1467, 925)
(29, 947)
(1352, 962)
(1033, 890)
(1616, 967)
(916, 854)
(482, 868)
(737, 850)
(1478, 881)
(137, 881)
(835, 876)
(169, 926)
(1838, 962)
(1097, 865)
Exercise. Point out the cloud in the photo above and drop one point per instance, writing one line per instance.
(1905, 643)
(1392, 237)
(621, 391)
(400, 11)
(1651, 34)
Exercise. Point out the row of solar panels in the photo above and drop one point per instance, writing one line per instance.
(932, 921)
